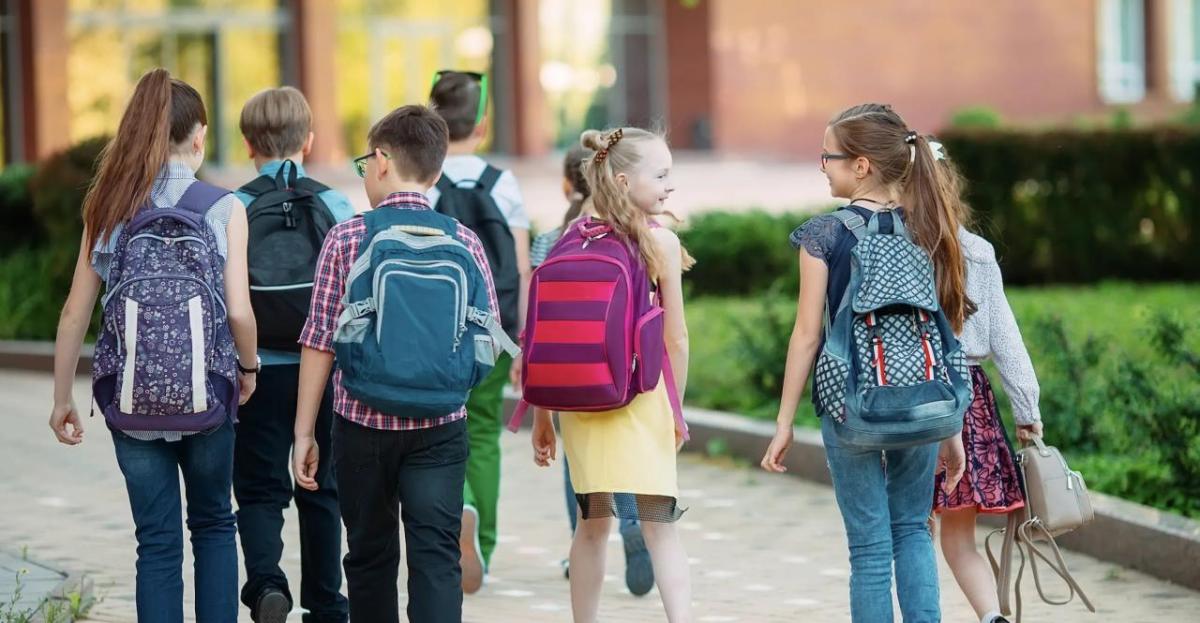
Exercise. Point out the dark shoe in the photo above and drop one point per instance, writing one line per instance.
(472, 555)
(639, 573)
(272, 607)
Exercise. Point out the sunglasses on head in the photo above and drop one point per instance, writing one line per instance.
(481, 78)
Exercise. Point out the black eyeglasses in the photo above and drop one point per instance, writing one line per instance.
(482, 79)
(360, 163)
(826, 157)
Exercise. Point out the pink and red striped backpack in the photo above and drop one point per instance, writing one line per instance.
(593, 337)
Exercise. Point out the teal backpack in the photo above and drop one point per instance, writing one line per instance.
(415, 335)
(891, 373)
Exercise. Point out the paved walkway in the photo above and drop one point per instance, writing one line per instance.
(764, 548)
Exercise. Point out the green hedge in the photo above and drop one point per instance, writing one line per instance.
(1118, 365)
(741, 252)
(1075, 206)
(17, 223)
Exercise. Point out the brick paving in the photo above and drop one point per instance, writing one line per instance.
(763, 548)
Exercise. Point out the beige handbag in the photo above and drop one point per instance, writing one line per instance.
(1056, 502)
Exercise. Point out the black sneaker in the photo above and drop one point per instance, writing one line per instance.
(273, 607)
(639, 573)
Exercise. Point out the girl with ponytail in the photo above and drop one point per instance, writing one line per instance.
(871, 157)
(149, 164)
(630, 450)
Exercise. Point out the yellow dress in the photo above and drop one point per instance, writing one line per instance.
(626, 450)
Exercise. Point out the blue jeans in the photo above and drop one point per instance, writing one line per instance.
(885, 499)
(627, 523)
(151, 470)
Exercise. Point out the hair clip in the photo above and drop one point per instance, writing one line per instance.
(911, 137)
(613, 138)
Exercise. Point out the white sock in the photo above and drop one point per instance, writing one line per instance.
(989, 617)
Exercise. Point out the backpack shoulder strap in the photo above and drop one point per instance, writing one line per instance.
(444, 183)
(311, 185)
(489, 177)
(258, 186)
(200, 196)
(853, 222)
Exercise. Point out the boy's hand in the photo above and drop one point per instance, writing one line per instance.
(246, 385)
(305, 457)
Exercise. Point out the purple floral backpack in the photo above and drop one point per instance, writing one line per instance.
(165, 358)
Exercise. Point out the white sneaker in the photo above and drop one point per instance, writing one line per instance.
(471, 559)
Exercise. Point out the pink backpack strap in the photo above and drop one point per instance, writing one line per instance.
(514, 422)
(673, 396)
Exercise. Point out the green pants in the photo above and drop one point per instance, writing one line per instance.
(485, 412)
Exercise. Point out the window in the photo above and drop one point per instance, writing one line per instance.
(1185, 48)
(601, 65)
(227, 49)
(9, 141)
(387, 53)
(1122, 49)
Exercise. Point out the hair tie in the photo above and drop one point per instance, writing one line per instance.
(911, 137)
(613, 138)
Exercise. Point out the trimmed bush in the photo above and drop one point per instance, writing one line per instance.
(17, 224)
(1070, 206)
(741, 253)
(59, 187)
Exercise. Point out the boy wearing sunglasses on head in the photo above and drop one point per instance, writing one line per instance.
(488, 201)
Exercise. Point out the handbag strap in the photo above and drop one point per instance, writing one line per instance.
(1058, 564)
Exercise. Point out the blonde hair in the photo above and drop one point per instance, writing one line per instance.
(931, 193)
(276, 122)
(612, 152)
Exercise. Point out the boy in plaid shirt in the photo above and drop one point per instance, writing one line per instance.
(385, 463)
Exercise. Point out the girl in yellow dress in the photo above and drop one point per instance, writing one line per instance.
(631, 449)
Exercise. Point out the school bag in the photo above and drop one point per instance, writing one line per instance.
(165, 357)
(891, 373)
(288, 222)
(593, 337)
(475, 207)
(415, 334)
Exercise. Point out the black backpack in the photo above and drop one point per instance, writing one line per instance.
(287, 223)
(474, 207)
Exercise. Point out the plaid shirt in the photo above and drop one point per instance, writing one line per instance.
(329, 284)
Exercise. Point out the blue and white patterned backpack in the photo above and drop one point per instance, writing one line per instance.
(891, 373)
(165, 359)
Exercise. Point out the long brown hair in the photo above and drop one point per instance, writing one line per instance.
(929, 190)
(162, 113)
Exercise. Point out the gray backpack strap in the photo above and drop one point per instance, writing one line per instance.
(853, 222)
(858, 227)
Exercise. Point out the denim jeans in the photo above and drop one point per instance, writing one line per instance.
(885, 499)
(151, 470)
(415, 477)
(626, 523)
(262, 484)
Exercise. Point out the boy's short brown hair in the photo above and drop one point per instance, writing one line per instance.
(276, 122)
(415, 138)
(456, 98)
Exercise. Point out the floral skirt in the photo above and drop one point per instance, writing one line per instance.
(991, 483)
